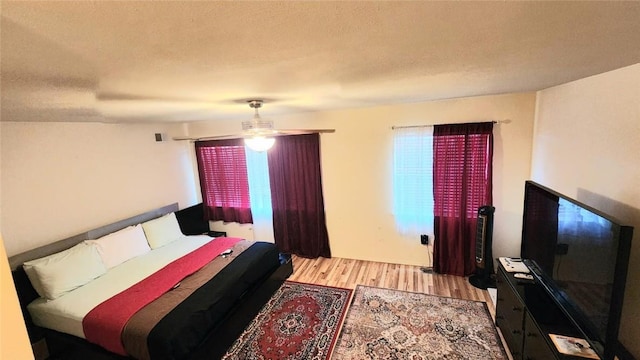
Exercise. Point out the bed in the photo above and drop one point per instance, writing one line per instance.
(175, 299)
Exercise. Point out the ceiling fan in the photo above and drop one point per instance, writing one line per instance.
(259, 134)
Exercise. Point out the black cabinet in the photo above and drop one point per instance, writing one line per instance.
(535, 345)
(509, 316)
(526, 315)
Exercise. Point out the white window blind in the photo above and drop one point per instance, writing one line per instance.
(413, 180)
(260, 194)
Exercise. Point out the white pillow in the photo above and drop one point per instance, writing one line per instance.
(122, 245)
(33, 277)
(162, 230)
(55, 275)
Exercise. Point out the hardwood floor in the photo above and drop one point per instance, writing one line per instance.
(348, 273)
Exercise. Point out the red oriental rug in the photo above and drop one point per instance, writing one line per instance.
(300, 322)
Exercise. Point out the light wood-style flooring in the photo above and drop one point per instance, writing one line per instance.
(348, 273)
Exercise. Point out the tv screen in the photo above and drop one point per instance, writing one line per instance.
(581, 256)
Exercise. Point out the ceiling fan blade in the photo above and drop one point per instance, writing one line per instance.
(118, 96)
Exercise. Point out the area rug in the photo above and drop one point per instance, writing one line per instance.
(300, 322)
(391, 324)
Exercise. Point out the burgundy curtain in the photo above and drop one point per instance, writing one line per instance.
(222, 167)
(462, 182)
(299, 223)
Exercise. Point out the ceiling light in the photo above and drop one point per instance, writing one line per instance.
(257, 130)
(259, 143)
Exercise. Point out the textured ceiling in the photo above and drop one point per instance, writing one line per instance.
(189, 61)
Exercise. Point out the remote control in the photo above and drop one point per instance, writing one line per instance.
(523, 276)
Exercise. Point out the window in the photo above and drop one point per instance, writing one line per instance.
(280, 192)
(441, 176)
(260, 193)
(224, 182)
(413, 180)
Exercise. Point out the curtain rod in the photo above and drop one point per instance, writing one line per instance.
(431, 125)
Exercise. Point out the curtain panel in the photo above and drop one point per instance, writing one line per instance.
(462, 182)
(295, 177)
(222, 169)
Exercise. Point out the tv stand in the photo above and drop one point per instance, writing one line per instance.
(526, 315)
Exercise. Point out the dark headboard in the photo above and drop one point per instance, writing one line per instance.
(26, 292)
(192, 220)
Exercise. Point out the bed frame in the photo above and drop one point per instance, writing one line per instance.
(64, 346)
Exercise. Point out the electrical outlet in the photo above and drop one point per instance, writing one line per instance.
(424, 239)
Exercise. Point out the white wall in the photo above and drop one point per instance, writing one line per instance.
(587, 146)
(60, 179)
(356, 168)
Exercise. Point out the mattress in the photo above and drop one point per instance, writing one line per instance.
(175, 323)
(65, 313)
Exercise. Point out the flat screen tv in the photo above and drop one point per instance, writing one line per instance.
(580, 255)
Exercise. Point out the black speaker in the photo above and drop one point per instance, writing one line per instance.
(484, 276)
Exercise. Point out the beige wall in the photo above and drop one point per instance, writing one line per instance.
(587, 145)
(356, 168)
(60, 179)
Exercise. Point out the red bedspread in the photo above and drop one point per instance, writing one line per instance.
(103, 325)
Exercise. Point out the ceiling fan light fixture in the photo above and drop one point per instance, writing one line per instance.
(257, 130)
(257, 125)
(259, 143)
